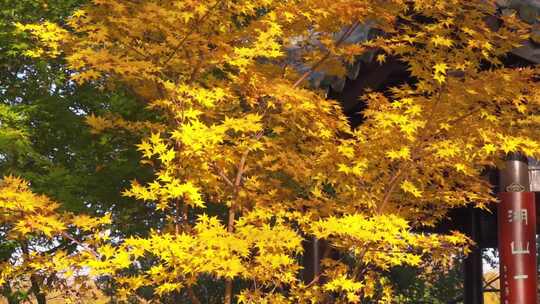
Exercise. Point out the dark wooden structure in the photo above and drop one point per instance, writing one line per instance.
(479, 225)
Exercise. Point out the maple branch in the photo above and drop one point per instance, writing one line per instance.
(196, 69)
(222, 174)
(393, 182)
(232, 215)
(177, 220)
(236, 187)
(185, 219)
(343, 37)
(241, 165)
(357, 271)
(232, 210)
(228, 292)
(71, 238)
(473, 111)
(315, 280)
(488, 283)
(241, 168)
(192, 30)
(134, 49)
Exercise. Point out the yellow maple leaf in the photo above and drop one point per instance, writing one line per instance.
(381, 58)
(440, 68)
(439, 40)
(409, 187)
(403, 153)
(440, 78)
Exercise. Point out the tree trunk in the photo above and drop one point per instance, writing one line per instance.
(36, 290)
(40, 296)
(7, 292)
(229, 282)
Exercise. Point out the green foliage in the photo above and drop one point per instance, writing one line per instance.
(414, 287)
(43, 132)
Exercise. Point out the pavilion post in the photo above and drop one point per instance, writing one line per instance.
(517, 233)
(473, 291)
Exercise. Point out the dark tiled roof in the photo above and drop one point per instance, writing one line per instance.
(527, 10)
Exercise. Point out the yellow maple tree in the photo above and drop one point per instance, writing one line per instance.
(37, 246)
(244, 132)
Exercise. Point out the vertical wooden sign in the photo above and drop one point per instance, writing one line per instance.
(517, 247)
(517, 236)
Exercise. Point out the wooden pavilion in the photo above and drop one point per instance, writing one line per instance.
(479, 225)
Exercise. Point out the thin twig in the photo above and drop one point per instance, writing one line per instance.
(241, 168)
(177, 219)
(488, 283)
(343, 37)
(393, 182)
(193, 29)
(232, 210)
(66, 235)
(222, 174)
(397, 176)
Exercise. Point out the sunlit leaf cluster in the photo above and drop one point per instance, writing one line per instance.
(249, 161)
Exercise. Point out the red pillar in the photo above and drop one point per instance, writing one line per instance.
(517, 235)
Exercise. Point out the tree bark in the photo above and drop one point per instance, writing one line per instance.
(7, 292)
(41, 298)
(228, 282)
(36, 290)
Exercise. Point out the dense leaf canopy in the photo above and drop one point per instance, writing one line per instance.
(247, 159)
